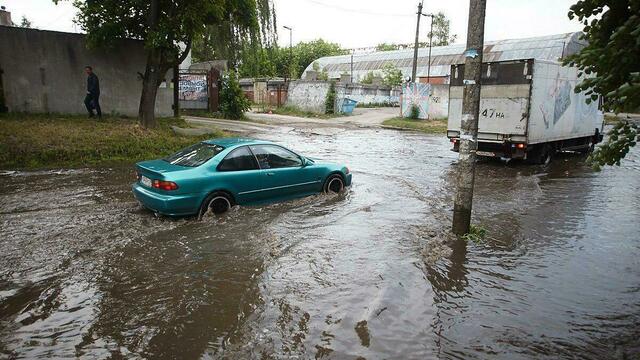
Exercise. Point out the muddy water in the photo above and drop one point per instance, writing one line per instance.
(84, 272)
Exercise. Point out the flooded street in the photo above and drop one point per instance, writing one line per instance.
(85, 272)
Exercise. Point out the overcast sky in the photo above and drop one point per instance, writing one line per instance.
(362, 23)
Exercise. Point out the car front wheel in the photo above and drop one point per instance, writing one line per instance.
(216, 203)
(334, 184)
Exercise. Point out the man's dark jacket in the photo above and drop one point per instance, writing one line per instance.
(93, 85)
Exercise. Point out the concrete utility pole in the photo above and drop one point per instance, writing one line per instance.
(415, 48)
(470, 113)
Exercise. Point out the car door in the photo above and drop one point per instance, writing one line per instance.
(285, 172)
(239, 173)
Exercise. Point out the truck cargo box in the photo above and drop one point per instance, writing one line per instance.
(526, 107)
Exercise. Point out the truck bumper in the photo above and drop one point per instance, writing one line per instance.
(498, 150)
(170, 205)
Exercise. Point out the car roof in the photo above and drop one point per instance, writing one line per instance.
(235, 142)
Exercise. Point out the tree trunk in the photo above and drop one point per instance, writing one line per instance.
(470, 112)
(153, 76)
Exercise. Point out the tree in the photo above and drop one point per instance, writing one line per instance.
(305, 53)
(322, 73)
(25, 23)
(442, 30)
(368, 78)
(165, 24)
(233, 102)
(610, 63)
(392, 76)
(388, 47)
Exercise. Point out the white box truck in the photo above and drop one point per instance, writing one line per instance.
(528, 110)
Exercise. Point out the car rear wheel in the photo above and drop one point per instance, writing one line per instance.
(334, 184)
(216, 203)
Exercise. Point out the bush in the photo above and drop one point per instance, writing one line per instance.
(233, 103)
(415, 112)
(330, 100)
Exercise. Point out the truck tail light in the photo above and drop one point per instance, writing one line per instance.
(164, 185)
(520, 146)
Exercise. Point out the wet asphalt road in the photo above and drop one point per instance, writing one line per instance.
(85, 272)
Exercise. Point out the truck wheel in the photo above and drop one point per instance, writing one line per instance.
(541, 155)
(216, 203)
(547, 155)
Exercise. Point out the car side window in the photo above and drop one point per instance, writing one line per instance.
(238, 160)
(274, 157)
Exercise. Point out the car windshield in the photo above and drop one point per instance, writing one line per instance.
(195, 155)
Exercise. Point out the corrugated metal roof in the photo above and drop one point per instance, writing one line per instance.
(552, 47)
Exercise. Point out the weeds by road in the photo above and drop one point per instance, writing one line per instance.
(425, 126)
(29, 141)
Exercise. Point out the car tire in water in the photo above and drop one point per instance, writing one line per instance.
(216, 203)
(334, 184)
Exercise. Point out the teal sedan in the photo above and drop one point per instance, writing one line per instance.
(214, 175)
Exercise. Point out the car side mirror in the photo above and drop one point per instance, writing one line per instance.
(305, 162)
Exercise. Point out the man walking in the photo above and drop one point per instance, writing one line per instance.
(92, 100)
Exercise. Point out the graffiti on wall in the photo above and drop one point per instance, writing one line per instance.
(193, 87)
(415, 94)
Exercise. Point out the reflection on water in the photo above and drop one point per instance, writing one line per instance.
(86, 272)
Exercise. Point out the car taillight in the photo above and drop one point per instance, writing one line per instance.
(454, 140)
(164, 185)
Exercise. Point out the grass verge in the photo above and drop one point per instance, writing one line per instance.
(33, 141)
(425, 126)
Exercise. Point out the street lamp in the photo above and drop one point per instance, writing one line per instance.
(290, 48)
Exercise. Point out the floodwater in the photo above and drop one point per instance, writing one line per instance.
(85, 272)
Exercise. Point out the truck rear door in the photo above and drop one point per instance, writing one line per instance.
(504, 100)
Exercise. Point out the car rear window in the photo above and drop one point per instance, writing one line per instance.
(194, 155)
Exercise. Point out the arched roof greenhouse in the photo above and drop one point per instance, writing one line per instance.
(553, 47)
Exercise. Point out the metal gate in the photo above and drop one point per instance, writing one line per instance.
(199, 90)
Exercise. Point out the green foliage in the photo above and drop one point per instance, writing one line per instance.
(442, 30)
(259, 60)
(388, 47)
(392, 76)
(25, 23)
(622, 137)
(610, 64)
(425, 126)
(368, 78)
(322, 73)
(330, 100)
(233, 102)
(476, 234)
(414, 113)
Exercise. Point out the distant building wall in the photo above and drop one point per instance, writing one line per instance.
(308, 95)
(44, 72)
(368, 94)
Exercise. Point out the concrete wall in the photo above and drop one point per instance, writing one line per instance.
(308, 95)
(44, 72)
(439, 102)
(368, 94)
